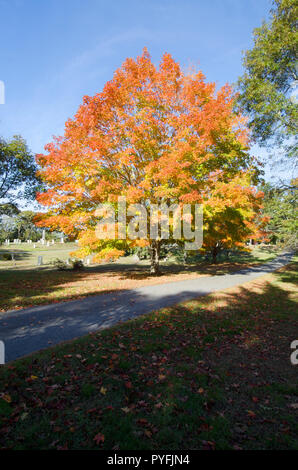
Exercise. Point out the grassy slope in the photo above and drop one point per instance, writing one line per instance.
(205, 374)
(26, 284)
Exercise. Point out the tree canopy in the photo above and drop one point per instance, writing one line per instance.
(153, 134)
(267, 87)
(280, 205)
(17, 173)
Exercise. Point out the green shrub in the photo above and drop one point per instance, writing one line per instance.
(6, 256)
(77, 265)
(60, 264)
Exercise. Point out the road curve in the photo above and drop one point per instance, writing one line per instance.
(31, 329)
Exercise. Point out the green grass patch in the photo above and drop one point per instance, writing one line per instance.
(213, 373)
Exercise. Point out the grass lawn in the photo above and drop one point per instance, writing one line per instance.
(214, 373)
(26, 284)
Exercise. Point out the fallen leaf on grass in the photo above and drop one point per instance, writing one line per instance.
(125, 409)
(7, 398)
(99, 438)
(158, 405)
(294, 405)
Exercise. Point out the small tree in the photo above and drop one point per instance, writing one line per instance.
(232, 215)
(280, 206)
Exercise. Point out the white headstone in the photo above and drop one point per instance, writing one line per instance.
(62, 239)
(39, 261)
(48, 243)
(2, 353)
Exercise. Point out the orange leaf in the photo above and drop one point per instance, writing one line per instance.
(99, 438)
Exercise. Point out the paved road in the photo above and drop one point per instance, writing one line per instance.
(31, 329)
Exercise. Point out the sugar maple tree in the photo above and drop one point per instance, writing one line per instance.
(153, 134)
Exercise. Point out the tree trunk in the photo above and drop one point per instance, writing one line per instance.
(155, 250)
(214, 254)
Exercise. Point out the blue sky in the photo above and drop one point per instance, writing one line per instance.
(53, 52)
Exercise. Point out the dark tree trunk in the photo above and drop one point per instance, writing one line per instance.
(214, 254)
(155, 252)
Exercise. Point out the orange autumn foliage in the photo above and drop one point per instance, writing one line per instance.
(153, 133)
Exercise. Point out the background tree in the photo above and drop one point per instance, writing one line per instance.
(25, 225)
(20, 225)
(232, 215)
(8, 209)
(153, 134)
(280, 205)
(7, 228)
(267, 88)
(17, 173)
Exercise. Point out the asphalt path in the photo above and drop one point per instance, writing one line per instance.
(31, 329)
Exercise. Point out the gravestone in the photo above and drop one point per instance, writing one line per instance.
(39, 261)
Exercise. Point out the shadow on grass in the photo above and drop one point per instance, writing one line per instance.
(180, 378)
(27, 330)
(18, 254)
(25, 288)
